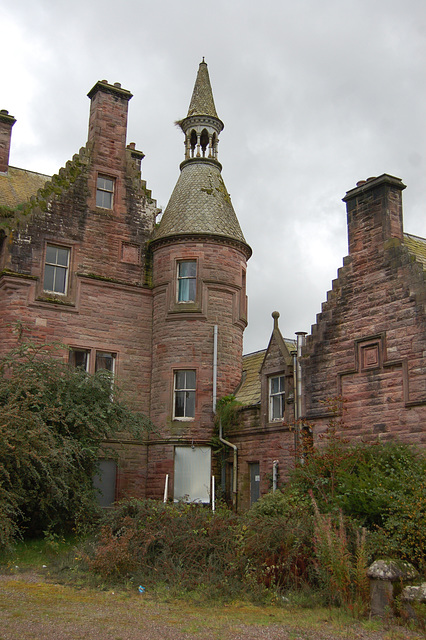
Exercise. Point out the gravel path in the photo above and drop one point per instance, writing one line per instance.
(31, 608)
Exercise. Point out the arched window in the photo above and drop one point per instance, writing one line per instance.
(204, 141)
(193, 141)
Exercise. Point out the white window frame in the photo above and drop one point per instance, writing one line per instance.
(78, 350)
(57, 267)
(274, 395)
(185, 391)
(110, 354)
(185, 280)
(102, 188)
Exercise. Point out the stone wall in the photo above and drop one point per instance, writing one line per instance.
(368, 343)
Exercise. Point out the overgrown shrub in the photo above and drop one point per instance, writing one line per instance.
(184, 546)
(378, 485)
(53, 422)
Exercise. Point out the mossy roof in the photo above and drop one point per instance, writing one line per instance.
(417, 247)
(200, 204)
(18, 185)
(202, 102)
(249, 391)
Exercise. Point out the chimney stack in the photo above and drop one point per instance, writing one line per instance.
(6, 124)
(108, 123)
(374, 210)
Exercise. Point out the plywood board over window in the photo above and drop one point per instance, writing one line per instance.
(192, 474)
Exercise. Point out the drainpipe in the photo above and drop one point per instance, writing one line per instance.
(274, 475)
(301, 341)
(221, 438)
(214, 367)
(234, 478)
(296, 404)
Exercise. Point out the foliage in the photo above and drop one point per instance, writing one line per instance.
(379, 485)
(185, 546)
(342, 573)
(53, 422)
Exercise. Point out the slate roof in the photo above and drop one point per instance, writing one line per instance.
(417, 247)
(249, 391)
(202, 102)
(18, 185)
(200, 204)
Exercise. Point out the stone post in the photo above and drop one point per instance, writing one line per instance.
(384, 576)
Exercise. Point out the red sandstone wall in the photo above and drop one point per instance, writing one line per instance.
(183, 339)
(107, 306)
(369, 341)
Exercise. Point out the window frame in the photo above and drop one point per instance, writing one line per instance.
(185, 391)
(102, 189)
(273, 395)
(181, 279)
(92, 365)
(86, 366)
(56, 266)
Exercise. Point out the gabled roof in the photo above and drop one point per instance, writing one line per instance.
(248, 393)
(417, 247)
(18, 185)
(202, 102)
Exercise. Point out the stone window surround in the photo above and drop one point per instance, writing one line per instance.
(279, 394)
(92, 357)
(187, 390)
(102, 189)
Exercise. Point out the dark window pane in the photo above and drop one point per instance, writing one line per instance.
(79, 358)
(51, 254)
(104, 361)
(60, 279)
(190, 404)
(180, 404)
(49, 273)
(188, 269)
(62, 256)
(190, 380)
(180, 379)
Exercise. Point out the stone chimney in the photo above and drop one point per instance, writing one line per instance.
(108, 123)
(6, 124)
(374, 210)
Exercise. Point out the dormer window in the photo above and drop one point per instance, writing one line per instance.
(276, 398)
(104, 192)
(186, 280)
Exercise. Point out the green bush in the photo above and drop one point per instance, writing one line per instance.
(54, 420)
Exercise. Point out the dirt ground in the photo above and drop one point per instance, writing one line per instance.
(33, 608)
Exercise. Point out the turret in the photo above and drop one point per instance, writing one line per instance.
(199, 309)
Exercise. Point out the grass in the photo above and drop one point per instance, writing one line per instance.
(34, 605)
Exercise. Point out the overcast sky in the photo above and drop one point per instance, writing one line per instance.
(315, 95)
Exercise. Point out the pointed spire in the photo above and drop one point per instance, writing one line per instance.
(200, 203)
(202, 102)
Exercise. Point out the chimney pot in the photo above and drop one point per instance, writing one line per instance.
(6, 123)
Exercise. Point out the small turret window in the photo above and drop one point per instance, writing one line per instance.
(204, 141)
(186, 280)
(184, 394)
(193, 141)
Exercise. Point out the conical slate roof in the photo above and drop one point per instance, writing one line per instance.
(200, 204)
(202, 102)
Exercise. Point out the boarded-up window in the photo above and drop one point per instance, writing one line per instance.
(105, 482)
(192, 474)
